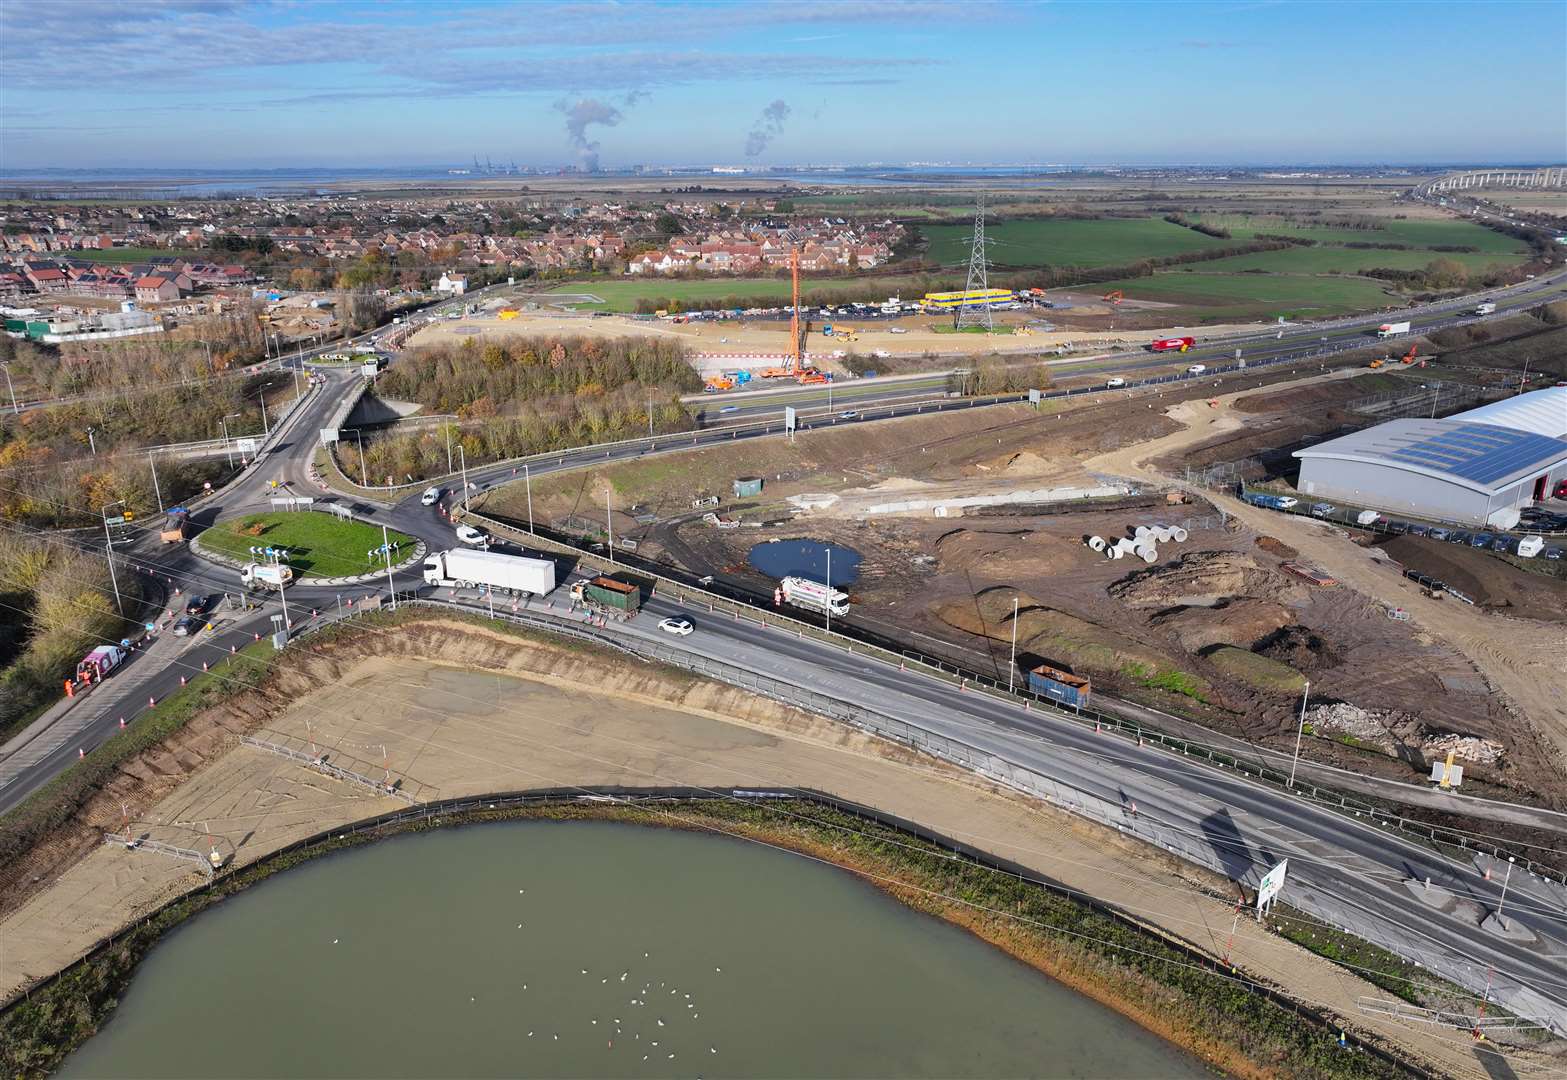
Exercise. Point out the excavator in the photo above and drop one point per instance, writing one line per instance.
(1114, 297)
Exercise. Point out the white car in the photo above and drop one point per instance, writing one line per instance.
(1115, 382)
(1287, 503)
(1197, 369)
(678, 627)
(469, 535)
(431, 496)
(896, 330)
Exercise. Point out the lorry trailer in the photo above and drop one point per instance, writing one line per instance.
(1392, 329)
(461, 567)
(811, 595)
(1176, 344)
(1486, 308)
(607, 596)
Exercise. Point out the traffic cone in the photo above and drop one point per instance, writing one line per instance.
(231, 650)
(151, 701)
(1488, 873)
(122, 723)
(182, 680)
(257, 636)
(80, 753)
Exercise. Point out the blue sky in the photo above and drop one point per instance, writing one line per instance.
(231, 83)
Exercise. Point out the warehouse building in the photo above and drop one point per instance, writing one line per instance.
(1476, 468)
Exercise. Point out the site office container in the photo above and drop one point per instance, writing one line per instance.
(1060, 686)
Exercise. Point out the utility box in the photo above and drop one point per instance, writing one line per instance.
(747, 486)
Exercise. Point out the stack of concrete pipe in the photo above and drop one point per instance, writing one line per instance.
(1143, 543)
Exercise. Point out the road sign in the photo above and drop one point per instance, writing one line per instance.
(245, 446)
(789, 418)
(1034, 397)
(329, 435)
(1272, 882)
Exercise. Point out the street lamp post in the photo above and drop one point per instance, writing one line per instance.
(223, 422)
(6, 364)
(364, 473)
(1503, 900)
(1012, 664)
(609, 523)
(386, 547)
(262, 397)
(153, 465)
(829, 590)
(527, 482)
(108, 550)
(1299, 731)
(462, 455)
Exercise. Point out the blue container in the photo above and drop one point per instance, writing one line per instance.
(1059, 686)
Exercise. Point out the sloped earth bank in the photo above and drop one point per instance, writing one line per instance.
(1487, 675)
(464, 709)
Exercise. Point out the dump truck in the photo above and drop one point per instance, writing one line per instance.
(266, 575)
(606, 596)
(1059, 686)
(811, 595)
(490, 569)
(1392, 329)
(174, 523)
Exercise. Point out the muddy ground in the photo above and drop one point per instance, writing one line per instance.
(1232, 653)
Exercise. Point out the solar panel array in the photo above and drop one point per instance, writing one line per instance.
(1481, 454)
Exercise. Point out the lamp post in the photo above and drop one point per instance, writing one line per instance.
(527, 482)
(1503, 900)
(153, 465)
(223, 422)
(1299, 731)
(1012, 664)
(6, 364)
(364, 473)
(108, 550)
(609, 522)
(386, 547)
(462, 455)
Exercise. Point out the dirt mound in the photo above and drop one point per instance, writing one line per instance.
(1485, 579)
(1045, 635)
(1257, 672)
(1300, 648)
(1203, 579)
(1242, 622)
(1003, 554)
(1274, 546)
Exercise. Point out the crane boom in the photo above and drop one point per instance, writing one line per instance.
(794, 311)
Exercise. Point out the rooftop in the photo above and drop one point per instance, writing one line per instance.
(1481, 457)
(1543, 412)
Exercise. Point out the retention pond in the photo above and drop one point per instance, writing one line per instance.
(594, 949)
(807, 559)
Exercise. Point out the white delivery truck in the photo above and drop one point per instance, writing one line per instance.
(811, 595)
(491, 569)
(1486, 308)
(266, 575)
(1392, 329)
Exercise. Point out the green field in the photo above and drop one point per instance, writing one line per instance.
(318, 545)
(1247, 296)
(1343, 260)
(1423, 233)
(624, 295)
(1068, 242)
(120, 256)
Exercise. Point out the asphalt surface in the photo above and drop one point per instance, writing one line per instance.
(1338, 863)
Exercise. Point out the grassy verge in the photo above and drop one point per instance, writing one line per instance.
(318, 545)
(1144, 976)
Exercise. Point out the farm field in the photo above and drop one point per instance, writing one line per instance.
(1221, 297)
(624, 295)
(1068, 242)
(1423, 233)
(1344, 260)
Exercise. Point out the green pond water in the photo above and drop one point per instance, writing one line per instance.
(586, 949)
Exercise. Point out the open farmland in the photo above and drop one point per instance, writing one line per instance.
(1068, 242)
(1347, 260)
(1223, 297)
(1424, 233)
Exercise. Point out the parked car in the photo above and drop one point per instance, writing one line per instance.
(1441, 534)
(1553, 552)
(1196, 369)
(469, 535)
(196, 605)
(1420, 530)
(678, 627)
(1398, 527)
(1481, 540)
(431, 496)
(1460, 536)
(187, 626)
(1287, 503)
(1321, 510)
(1507, 545)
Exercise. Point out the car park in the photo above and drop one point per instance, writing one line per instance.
(187, 626)
(469, 535)
(678, 627)
(431, 496)
(1322, 509)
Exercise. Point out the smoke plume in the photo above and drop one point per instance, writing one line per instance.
(768, 127)
(580, 115)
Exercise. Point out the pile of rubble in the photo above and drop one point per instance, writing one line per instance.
(1349, 719)
(1465, 748)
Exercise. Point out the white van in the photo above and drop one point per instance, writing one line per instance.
(1196, 369)
(1530, 546)
(1114, 382)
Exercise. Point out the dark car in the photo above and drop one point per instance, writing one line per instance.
(1460, 537)
(1398, 527)
(1441, 534)
(196, 605)
(1420, 530)
(187, 626)
(1553, 552)
(1482, 540)
(1505, 544)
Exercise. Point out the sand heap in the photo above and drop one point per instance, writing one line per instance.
(1204, 579)
(1242, 622)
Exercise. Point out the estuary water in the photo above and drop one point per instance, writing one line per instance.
(595, 950)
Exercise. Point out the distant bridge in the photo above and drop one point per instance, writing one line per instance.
(1551, 176)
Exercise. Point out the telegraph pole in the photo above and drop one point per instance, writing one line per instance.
(1299, 731)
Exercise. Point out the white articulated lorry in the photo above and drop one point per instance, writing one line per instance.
(811, 595)
(490, 569)
(1392, 329)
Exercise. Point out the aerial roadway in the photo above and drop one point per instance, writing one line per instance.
(1355, 873)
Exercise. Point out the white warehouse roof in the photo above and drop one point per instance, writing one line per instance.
(1539, 412)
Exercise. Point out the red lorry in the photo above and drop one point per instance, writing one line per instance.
(1180, 344)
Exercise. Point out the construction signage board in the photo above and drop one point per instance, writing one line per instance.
(789, 418)
(245, 446)
(328, 436)
(1272, 882)
(1034, 397)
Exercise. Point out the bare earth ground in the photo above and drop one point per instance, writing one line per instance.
(452, 729)
(1520, 658)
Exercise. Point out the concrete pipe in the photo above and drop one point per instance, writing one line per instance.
(1097, 543)
(1162, 533)
(1178, 534)
(1141, 531)
(1114, 552)
(1148, 554)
